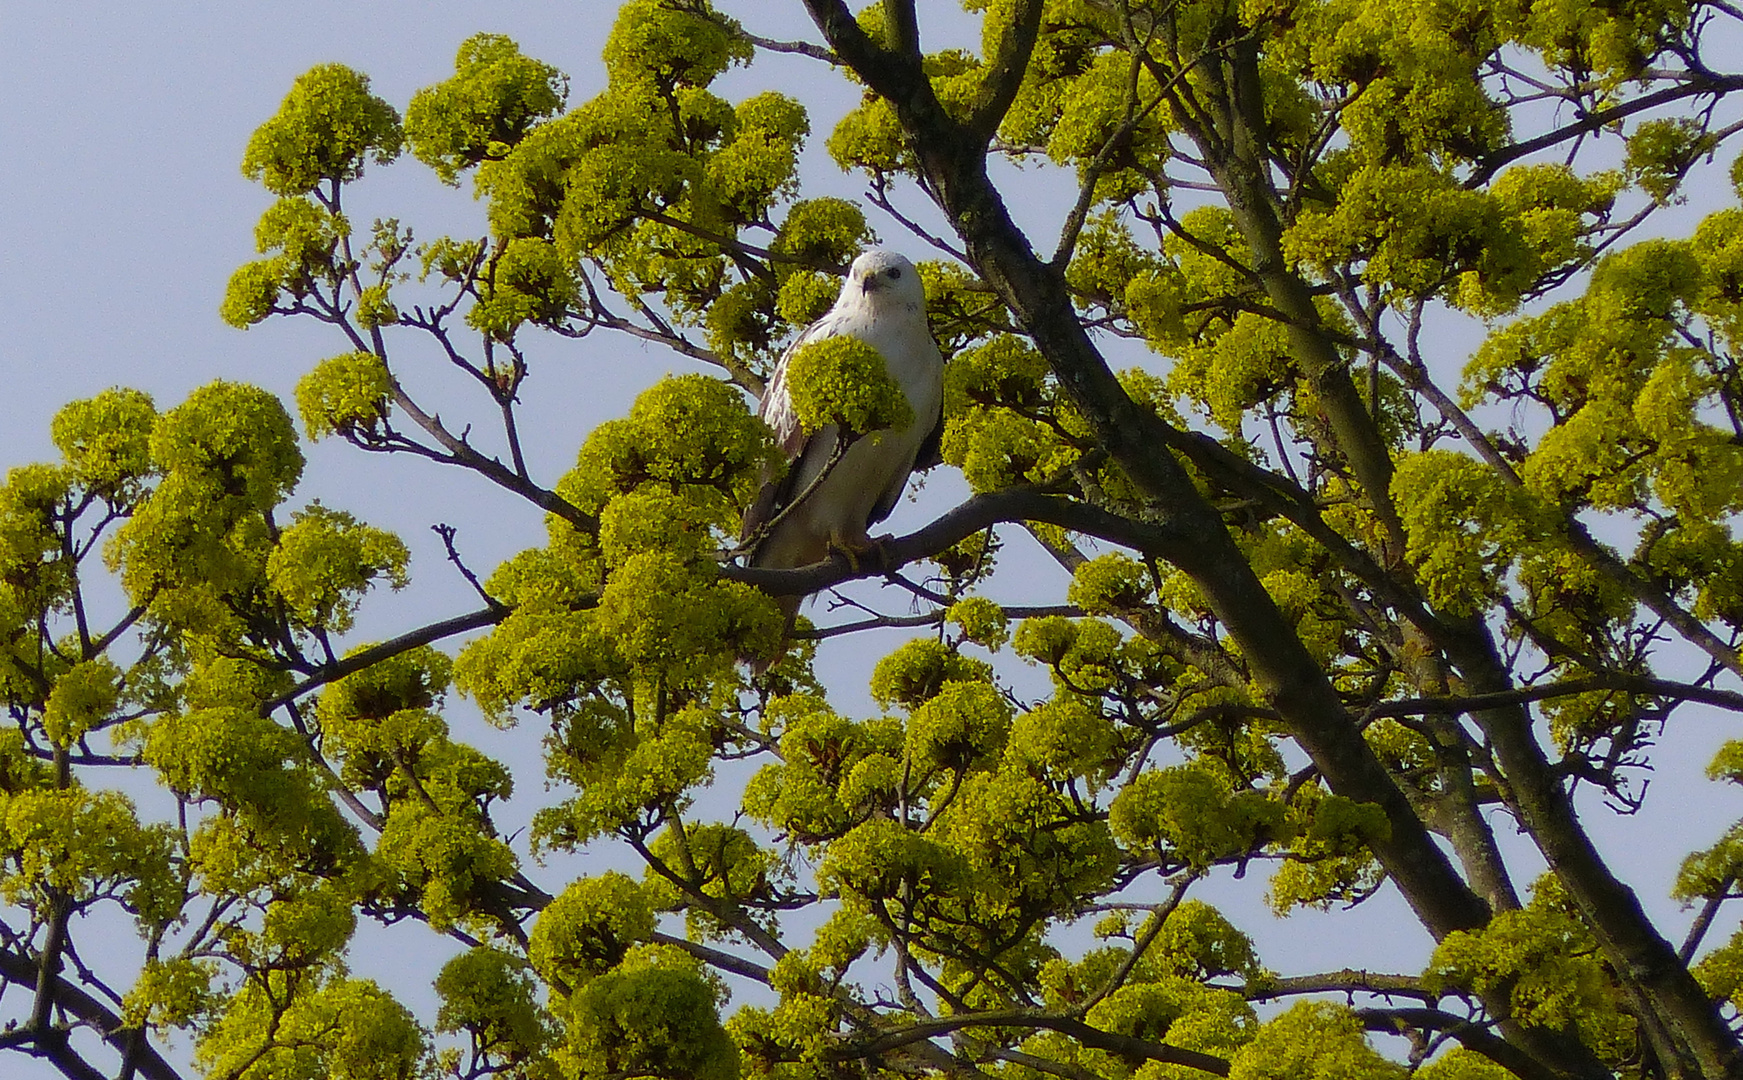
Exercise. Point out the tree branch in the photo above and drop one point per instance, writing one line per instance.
(1346, 981)
(1601, 118)
(904, 27)
(361, 659)
(491, 469)
(1124, 1045)
(1633, 684)
(1471, 1036)
(68, 996)
(968, 518)
(725, 961)
(930, 619)
(1005, 69)
(1704, 921)
(802, 48)
(891, 74)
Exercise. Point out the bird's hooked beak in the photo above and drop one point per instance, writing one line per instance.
(876, 278)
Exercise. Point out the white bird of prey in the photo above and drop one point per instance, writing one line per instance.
(883, 304)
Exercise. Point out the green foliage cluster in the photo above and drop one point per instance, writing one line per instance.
(1543, 960)
(328, 126)
(226, 591)
(841, 380)
(496, 96)
(345, 395)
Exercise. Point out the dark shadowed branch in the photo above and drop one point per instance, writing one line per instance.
(1616, 681)
(1123, 1045)
(361, 659)
(968, 518)
(1471, 1036)
(69, 997)
(931, 619)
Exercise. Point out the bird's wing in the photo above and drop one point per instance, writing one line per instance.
(931, 452)
(776, 409)
(917, 373)
(925, 458)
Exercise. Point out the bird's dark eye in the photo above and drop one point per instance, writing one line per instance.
(894, 272)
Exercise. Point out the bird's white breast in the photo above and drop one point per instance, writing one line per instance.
(882, 305)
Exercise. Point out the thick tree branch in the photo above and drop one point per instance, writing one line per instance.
(968, 518)
(1347, 981)
(68, 996)
(895, 75)
(1197, 541)
(1471, 1036)
(1704, 921)
(1005, 69)
(725, 961)
(1617, 681)
(1598, 119)
(800, 48)
(903, 26)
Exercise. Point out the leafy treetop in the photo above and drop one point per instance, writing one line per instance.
(1330, 602)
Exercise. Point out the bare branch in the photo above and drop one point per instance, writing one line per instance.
(725, 961)
(930, 619)
(1598, 119)
(361, 659)
(1472, 1036)
(1125, 1045)
(1704, 920)
(1347, 981)
(447, 533)
(801, 48)
(496, 472)
(1633, 684)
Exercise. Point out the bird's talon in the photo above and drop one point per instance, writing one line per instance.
(849, 552)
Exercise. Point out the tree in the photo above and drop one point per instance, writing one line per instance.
(1331, 604)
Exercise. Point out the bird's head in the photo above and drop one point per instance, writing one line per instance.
(883, 278)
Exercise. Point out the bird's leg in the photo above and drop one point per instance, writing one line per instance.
(856, 549)
(853, 547)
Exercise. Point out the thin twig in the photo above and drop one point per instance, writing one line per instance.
(447, 533)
